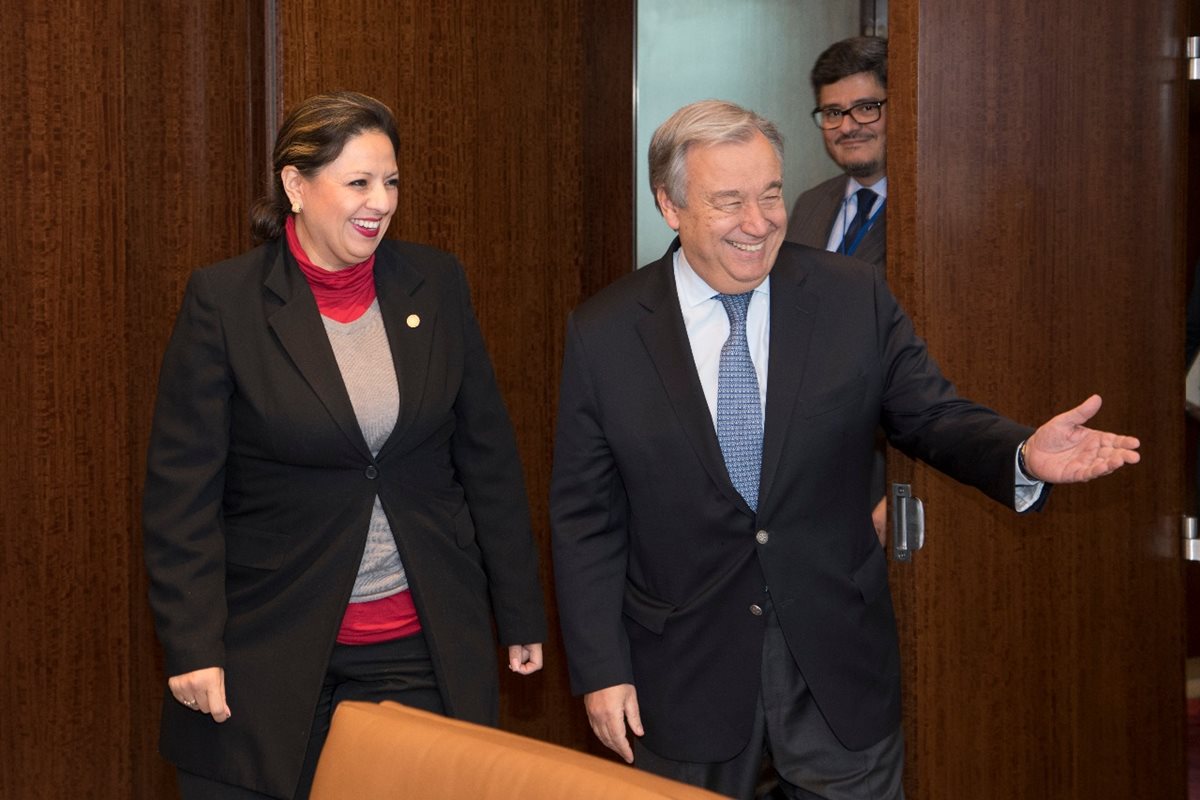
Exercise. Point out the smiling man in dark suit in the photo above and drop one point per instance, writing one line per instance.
(721, 589)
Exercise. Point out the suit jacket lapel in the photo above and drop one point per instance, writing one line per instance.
(814, 222)
(663, 333)
(793, 316)
(297, 323)
(831, 204)
(409, 317)
(874, 244)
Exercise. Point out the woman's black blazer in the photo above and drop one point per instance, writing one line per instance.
(260, 486)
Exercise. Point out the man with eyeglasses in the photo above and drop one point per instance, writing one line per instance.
(846, 214)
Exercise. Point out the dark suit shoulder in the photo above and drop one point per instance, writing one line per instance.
(819, 196)
(650, 285)
(823, 268)
(236, 280)
(413, 264)
(813, 212)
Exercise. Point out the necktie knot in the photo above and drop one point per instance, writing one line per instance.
(866, 201)
(736, 306)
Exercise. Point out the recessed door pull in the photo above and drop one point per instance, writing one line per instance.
(908, 522)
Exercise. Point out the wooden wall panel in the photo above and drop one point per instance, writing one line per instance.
(609, 159)
(64, 550)
(139, 133)
(194, 160)
(1036, 161)
(126, 131)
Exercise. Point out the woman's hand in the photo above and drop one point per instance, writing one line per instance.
(525, 659)
(204, 690)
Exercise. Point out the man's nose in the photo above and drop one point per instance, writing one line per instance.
(754, 221)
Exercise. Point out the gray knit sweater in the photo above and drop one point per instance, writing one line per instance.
(365, 359)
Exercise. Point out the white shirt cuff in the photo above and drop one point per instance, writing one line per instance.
(1026, 491)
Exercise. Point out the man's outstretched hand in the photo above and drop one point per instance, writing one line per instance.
(1064, 451)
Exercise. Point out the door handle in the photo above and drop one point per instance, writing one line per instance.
(908, 522)
(1191, 538)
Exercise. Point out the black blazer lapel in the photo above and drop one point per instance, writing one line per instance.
(297, 324)
(793, 316)
(409, 317)
(665, 337)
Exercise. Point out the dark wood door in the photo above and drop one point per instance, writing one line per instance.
(1037, 180)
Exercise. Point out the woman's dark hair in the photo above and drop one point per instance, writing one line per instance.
(313, 135)
(850, 57)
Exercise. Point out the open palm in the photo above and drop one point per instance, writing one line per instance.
(1064, 451)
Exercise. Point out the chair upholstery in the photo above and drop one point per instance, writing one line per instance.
(388, 750)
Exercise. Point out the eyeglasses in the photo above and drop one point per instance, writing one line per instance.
(830, 117)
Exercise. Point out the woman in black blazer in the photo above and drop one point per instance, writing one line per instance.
(334, 507)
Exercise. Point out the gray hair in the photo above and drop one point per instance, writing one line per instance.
(704, 123)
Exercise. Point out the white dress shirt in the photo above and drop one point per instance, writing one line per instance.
(849, 208)
(708, 327)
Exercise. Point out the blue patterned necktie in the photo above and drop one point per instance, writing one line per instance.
(866, 201)
(739, 408)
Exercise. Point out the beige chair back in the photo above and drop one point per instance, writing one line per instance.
(387, 750)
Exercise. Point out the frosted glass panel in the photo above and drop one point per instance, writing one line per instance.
(756, 53)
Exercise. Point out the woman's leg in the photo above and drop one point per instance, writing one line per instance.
(399, 670)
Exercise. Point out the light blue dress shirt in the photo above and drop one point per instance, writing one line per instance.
(707, 327)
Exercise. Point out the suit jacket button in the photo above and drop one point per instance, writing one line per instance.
(761, 537)
(756, 610)
(372, 473)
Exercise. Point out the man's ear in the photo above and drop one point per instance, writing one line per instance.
(669, 211)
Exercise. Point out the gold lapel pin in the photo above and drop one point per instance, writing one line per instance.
(413, 320)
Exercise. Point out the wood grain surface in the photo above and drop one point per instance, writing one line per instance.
(136, 135)
(1035, 158)
(1037, 240)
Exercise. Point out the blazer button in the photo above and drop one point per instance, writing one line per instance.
(372, 473)
(762, 537)
(756, 610)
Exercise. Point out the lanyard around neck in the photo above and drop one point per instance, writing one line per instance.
(848, 250)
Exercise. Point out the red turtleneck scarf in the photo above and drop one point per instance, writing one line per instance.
(344, 295)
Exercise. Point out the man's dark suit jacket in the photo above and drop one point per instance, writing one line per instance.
(658, 560)
(810, 223)
(260, 486)
(812, 219)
